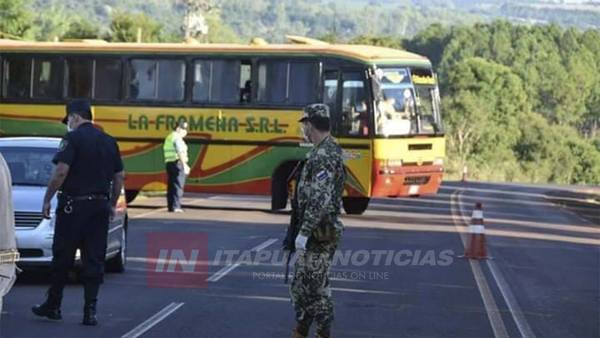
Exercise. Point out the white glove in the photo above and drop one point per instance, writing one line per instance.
(301, 242)
(186, 169)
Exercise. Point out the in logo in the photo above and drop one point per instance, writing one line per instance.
(177, 260)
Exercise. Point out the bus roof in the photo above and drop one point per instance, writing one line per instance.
(360, 53)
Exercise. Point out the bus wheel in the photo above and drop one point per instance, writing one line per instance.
(355, 205)
(130, 195)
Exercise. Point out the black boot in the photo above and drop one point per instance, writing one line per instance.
(89, 314)
(91, 298)
(51, 307)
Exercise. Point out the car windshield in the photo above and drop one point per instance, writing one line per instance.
(28, 165)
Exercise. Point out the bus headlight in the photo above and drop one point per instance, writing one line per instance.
(389, 167)
(394, 163)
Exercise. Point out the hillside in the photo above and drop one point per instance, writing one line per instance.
(272, 19)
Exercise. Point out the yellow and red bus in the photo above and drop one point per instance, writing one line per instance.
(242, 103)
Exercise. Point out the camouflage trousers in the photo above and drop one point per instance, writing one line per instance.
(310, 289)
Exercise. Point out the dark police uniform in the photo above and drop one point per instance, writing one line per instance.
(83, 210)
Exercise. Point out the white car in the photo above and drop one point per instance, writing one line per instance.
(30, 162)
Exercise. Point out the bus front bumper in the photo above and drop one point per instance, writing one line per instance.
(406, 180)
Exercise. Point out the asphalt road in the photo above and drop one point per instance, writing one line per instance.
(398, 273)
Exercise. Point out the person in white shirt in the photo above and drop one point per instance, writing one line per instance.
(8, 243)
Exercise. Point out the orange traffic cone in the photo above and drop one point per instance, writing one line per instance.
(476, 246)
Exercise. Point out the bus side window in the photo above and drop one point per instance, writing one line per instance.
(354, 117)
(142, 79)
(47, 78)
(245, 82)
(217, 81)
(171, 80)
(272, 81)
(16, 77)
(303, 83)
(330, 96)
(107, 79)
(79, 77)
(160, 80)
(202, 78)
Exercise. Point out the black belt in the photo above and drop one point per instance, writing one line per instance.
(89, 197)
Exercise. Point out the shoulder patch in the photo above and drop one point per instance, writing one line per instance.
(322, 175)
(63, 145)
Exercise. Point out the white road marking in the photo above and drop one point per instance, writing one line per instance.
(509, 298)
(240, 198)
(152, 321)
(149, 213)
(264, 245)
(511, 301)
(489, 303)
(152, 212)
(227, 269)
(366, 291)
(221, 273)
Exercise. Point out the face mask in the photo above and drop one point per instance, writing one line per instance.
(69, 128)
(305, 132)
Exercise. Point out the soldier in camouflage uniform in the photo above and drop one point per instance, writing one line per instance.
(319, 191)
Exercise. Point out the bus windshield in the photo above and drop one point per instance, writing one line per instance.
(405, 106)
(428, 117)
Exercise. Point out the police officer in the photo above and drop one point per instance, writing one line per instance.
(88, 177)
(176, 162)
(319, 199)
(8, 251)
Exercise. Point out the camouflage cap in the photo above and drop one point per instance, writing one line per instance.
(315, 110)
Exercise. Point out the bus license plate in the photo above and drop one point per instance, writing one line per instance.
(413, 190)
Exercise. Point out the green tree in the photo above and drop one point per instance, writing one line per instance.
(543, 151)
(587, 166)
(124, 27)
(52, 23)
(330, 37)
(430, 42)
(15, 19)
(482, 109)
(82, 29)
(219, 31)
(383, 41)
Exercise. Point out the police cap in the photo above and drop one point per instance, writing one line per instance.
(81, 107)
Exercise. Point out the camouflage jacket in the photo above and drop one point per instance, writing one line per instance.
(320, 191)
